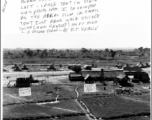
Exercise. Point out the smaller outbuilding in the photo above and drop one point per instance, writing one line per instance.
(76, 77)
(138, 75)
(23, 82)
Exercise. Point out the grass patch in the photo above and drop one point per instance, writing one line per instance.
(134, 118)
(66, 61)
(114, 106)
(34, 110)
(39, 93)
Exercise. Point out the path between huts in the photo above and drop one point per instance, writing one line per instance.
(83, 106)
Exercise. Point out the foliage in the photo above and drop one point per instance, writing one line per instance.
(73, 53)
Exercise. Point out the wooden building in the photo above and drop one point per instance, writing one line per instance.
(96, 75)
(138, 74)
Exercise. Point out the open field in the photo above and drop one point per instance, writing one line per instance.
(112, 106)
(36, 110)
(43, 93)
(41, 104)
(134, 118)
(59, 98)
(65, 61)
(48, 93)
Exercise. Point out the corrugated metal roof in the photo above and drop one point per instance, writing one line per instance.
(113, 74)
(107, 74)
(75, 75)
(91, 73)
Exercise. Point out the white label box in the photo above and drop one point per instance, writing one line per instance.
(25, 91)
(89, 88)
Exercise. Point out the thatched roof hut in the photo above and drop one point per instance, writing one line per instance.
(87, 67)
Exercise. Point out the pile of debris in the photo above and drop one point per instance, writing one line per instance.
(127, 91)
(121, 91)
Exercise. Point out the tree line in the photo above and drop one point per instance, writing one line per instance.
(73, 53)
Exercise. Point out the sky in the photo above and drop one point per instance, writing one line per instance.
(123, 24)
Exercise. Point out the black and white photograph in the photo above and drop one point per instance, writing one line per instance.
(75, 59)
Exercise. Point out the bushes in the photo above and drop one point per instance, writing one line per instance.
(69, 53)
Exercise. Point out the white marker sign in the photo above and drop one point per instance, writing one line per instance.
(25, 91)
(89, 88)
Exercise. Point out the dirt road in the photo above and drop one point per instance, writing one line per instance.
(25, 74)
(81, 104)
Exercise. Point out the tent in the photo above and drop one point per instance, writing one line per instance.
(16, 68)
(126, 65)
(51, 67)
(147, 65)
(25, 67)
(119, 65)
(87, 67)
(140, 65)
